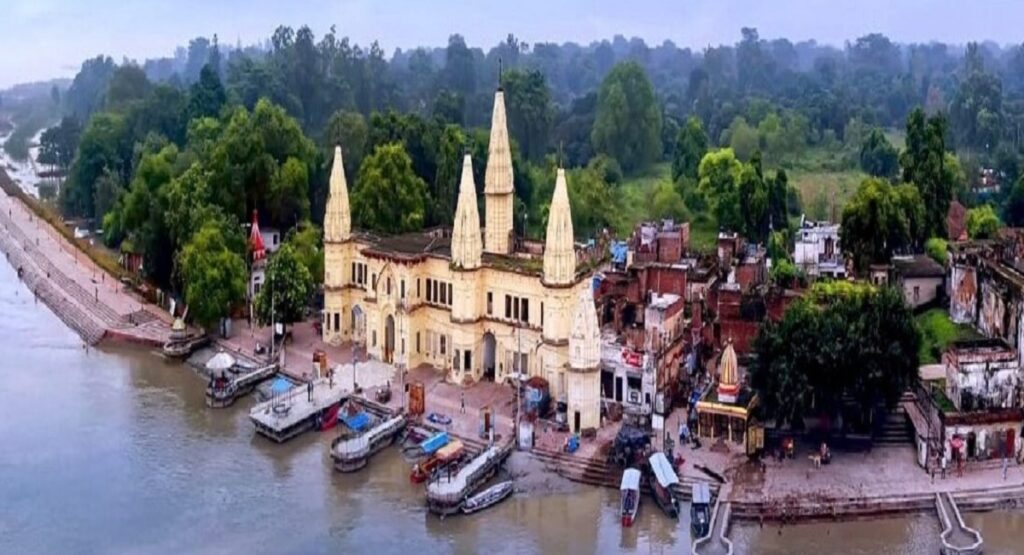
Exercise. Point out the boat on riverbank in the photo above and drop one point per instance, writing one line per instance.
(664, 482)
(446, 456)
(488, 498)
(700, 510)
(182, 348)
(222, 392)
(353, 452)
(447, 492)
(630, 491)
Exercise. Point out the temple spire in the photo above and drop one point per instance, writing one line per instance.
(337, 218)
(466, 243)
(498, 186)
(559, 246)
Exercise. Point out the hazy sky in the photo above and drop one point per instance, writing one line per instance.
(40, 39)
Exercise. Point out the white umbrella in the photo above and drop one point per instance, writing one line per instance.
(220, 362)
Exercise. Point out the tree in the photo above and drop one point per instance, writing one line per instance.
(924, 164)
(529, 111)
(880, 220)
(57, 144)
(287, 198)
(89, 88)
(349, 131)
(1013, 210)
(628, 122)
(214, 275)
(719, 173)
(307, 241)
(591, 197)
(937, 247)
(753, 202)
(287, 290)
(691, 147)
(842, 342)
(741, 138)
(206, 96)
(982, 222)
(451, 148)
(389, 197)
(102, 148)
(127, 84)
(877, 155)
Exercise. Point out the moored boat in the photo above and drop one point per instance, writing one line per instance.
(181, 348)
(444, 456)
(353, 452)
(630, 491)
(665, 479)
(700, 510)
(487, 498)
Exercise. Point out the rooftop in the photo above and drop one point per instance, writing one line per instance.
(918, 265)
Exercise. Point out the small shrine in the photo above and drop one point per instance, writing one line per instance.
(724, 410)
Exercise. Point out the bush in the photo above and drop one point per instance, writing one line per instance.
(936, 249)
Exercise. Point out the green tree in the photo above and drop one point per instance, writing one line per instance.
(206, 96)
(936, 247)
(880, 220)
(108, 191)
(57, 144)
(307, 241)
(924, 165)
(348, 130)
(982, 222)
(389, 197)
(628, 122)
(102, 148)
(288, 288)
(741, 138)
(1013, 210)
(842, 342)
(753, 202)
(691, 147)
(287, 197)
(529, 111)
(719, 173)
(878, 157)
(213, 274)
(451, 148)
(127, 84)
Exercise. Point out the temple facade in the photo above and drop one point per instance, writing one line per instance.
(473, 302)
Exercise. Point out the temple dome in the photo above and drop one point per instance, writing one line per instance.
(728, 375)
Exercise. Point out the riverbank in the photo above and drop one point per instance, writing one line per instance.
(93, 303)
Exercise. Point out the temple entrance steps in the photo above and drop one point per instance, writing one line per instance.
(897, 428)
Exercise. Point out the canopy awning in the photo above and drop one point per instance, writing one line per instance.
(220, 362)
(663, 470)
(630, 479)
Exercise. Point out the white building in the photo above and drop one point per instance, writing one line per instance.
(817, 251)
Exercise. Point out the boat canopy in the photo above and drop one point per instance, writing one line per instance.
(358, 421)
(220, 362)
(280, 385)
(432, 444)
(663, 470)
(701, 493)
(630, 479)
(450, 451)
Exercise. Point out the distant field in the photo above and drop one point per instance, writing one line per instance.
(634, 205)
(821, 189)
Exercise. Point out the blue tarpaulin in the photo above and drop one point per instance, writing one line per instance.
(432, 444)
(358, 421)
(280, 385)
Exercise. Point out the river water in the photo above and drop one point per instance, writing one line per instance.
(114, 451)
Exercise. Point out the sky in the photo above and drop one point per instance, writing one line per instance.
(42, 39)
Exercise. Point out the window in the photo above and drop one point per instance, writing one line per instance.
(430, 297)
(444, 294)
(490, 303)
(374, 338)
(917, 294)
(541, 314)
(451, 298)
(403, 345)
(443, 343)
(354, 280)
(402, 293)
(456, 360)
(417, 288)
(467, 358)
(388, 282)
(337, 321)
(417, 342)
(373, 280)
(525, 312)
(515, 307)
(508, 306)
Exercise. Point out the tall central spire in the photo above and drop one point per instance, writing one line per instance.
(337, 218)
(559, 247)
(498, 186)
(466, 244)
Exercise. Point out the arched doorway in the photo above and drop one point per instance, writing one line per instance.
(358, 325)
(490, 345)
(389, 339)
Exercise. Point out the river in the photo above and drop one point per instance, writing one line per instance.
(114, 451)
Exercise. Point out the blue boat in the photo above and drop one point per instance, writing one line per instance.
(357, 422)
(432, 444)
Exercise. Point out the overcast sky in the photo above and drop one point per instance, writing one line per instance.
(40, 39)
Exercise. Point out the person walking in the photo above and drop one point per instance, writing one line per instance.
(944, 466)
(462, 402)
(1006, 466)
(309, 391)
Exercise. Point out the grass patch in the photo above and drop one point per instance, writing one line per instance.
(825, 191)
(938, 332)
(634, 203)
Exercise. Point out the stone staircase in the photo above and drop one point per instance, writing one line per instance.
(897, 430)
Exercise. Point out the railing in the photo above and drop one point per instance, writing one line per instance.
(947, 548)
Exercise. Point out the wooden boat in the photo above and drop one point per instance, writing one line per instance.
(700, 510)
(665, 479)
(487, 498)
(630, 490)
(448, 454)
